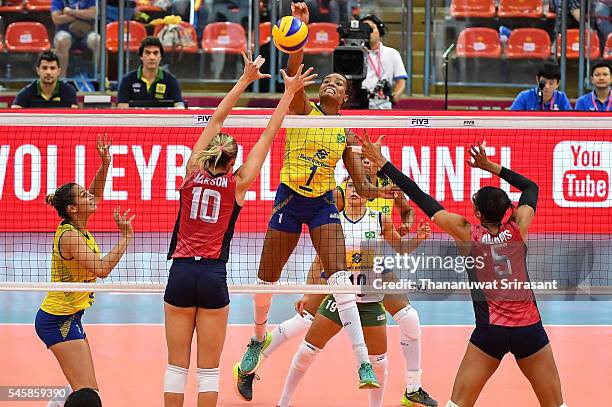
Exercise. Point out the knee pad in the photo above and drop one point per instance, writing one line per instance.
(208, 380)
(93, 39)
(380, 364)
(408, 320)
(175, 379)
(296, 325)
(304, 357)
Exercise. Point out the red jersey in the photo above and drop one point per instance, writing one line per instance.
(207, 216)
(505, 301)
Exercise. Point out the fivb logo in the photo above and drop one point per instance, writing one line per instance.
(581, 174)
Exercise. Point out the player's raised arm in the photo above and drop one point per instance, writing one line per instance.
(453, 224)
(252, 166)
(250, 74)
(525, 212)
(354, 166)
(96, 188)
(400, 245)
(300, 104)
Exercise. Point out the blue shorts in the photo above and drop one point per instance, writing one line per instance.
(292, 210)
(522, 341)
(197, 283)
(53, 329)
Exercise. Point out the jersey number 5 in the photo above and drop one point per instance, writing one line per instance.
(501, 262)
(201, 202)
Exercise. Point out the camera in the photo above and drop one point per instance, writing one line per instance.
(349, 58)
(382, 95)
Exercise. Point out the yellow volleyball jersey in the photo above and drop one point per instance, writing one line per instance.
(311, 156)
(69, 271)
(384, 205)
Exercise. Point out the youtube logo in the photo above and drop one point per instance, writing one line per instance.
(581, 174)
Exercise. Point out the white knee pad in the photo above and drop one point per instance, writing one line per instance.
(563, 405)
(451, 404)
(208, 380)
(408, 320)
(93, 39)
(343, 301)
(304, 357)
(175, 379)
(295, 326)
(380, 364)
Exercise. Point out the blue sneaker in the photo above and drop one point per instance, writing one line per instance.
(367, 377)
(252, 357)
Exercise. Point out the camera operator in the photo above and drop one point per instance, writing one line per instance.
(386, 74)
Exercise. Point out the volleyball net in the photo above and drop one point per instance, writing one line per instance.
(570, 158)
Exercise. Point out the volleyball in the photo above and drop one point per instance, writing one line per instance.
(290, 34)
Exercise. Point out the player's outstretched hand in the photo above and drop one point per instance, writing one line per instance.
(251, 67)
(124, 224)
(300, 10)
(479, 156)
(370, 150)
(299, 80)
(423, 230)
(103, 147)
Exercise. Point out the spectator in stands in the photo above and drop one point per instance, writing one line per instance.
(112, 10)
(603, 18)
(74, 25)
(47, 89)
(599, 99)
(84, 397)
(149, 82)
(386, 75)
(545, 95)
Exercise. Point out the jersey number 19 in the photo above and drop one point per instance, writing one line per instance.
(200, 203)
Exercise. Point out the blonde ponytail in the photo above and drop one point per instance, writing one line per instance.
(221, 150)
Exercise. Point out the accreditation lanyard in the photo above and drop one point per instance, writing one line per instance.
(552, 103)
(607, 109)
(377, 69)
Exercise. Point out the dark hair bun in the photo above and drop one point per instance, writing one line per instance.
(50, 199)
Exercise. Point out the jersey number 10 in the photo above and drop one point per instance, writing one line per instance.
(201, 202)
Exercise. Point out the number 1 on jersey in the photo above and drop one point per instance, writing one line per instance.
(201, 201)
(306, 187)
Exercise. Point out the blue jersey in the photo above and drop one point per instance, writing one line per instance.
(528, 100)
(590, 103)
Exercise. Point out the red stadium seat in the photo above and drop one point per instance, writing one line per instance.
(478, 42)
(573, 44)
(146, 5)
(11, 6)
(526, 43)
(323, 38)
(608, 50)
(265, 33)
(27, 36)
(190, 49)
(227, 38)
(38, 5)
(138, 33)
(520, 8)
(472, 8)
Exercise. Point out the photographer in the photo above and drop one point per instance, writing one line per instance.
(545, 96)
(386, 74)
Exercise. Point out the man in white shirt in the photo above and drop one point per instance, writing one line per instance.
(386, 74)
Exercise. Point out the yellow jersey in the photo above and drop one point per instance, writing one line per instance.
(311, 156)
(384, 205)
(68, 270)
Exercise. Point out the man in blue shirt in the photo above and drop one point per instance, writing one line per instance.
(149, 82)
(545, 96)
(48, 90)
(599, 99)
(74, 25)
